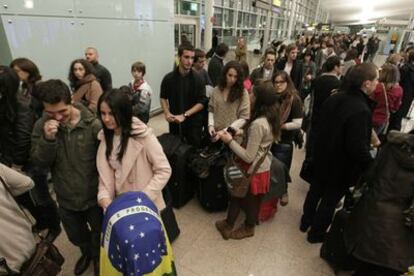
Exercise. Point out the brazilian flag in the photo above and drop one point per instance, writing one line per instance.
(134, 241)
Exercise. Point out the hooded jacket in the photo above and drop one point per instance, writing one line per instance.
(144, 166)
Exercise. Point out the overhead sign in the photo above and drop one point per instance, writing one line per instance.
(261, 4)
(276, 3)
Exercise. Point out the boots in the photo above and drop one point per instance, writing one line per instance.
(244, 231)
(284, 200)
(224, 228)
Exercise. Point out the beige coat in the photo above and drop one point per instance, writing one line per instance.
(145, 167)
(17, 241)
(88, 92)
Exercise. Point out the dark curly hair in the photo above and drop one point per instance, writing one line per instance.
(89, 69)
(236, 91)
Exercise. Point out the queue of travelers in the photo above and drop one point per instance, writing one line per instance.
(95, 143)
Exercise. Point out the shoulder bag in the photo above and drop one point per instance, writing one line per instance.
(238, 180)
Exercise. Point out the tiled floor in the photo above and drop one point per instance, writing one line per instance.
(278, 247)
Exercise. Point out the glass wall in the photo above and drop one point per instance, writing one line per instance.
(233, 18)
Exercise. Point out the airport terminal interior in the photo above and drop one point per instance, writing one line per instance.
(363, 50)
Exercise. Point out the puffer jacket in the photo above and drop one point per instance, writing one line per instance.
(375, 232)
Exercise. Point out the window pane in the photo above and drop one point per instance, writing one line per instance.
(228, 18)
(218, 14)
(189, 8)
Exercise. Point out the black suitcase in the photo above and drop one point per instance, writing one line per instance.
(168, 217)
(182, 181)
(212, 190)
(333, 249)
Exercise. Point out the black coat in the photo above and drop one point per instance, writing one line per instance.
(375, 232)
(407, 84)
(104, 76)
(342, 138)
(15, 135)
(295, 73)
(258, 74)
(215, 66)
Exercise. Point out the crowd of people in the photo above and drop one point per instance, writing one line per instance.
(94, 141)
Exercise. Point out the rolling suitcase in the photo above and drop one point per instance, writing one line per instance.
(182, 181)
(212, 190)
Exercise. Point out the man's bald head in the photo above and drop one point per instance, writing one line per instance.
(91, 55)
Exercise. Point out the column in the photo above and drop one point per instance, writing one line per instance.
(266, 36)
(317, 12)
(291, 19)
(208, 32)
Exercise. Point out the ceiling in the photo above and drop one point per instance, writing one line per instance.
(367, 11)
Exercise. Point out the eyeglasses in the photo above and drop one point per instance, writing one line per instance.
(279, 82)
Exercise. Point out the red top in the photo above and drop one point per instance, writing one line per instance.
(394, 95)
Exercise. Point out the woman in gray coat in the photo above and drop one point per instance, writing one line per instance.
(375, 233)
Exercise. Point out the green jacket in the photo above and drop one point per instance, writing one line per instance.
(72, 160)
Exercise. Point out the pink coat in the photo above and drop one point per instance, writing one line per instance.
(144, 167)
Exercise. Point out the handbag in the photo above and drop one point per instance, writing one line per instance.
(238, 180)
(46, 260)
(407, 123)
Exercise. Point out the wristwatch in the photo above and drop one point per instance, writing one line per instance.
(186, 115)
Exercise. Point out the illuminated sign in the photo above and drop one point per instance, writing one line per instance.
(276, 3)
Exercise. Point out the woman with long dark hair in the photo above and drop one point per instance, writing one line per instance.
(229, 105)
(29, 76)
(86, 88)
(129, 156)
(291, 113)
(133, 170)
(262, 130)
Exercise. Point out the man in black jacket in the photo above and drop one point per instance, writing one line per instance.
(342, 148)
(183, 96)
(102, 74)
(291, 65)
(216, 63)
(267, 70)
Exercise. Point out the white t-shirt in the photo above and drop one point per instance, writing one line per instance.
(288, 68)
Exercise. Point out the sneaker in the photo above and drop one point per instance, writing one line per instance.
(224, 228)
(244, 231)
